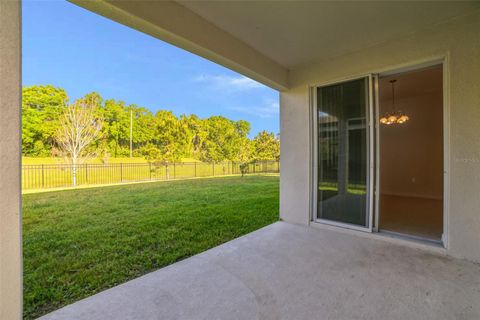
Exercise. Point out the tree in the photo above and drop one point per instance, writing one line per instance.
(143, 127)
(117, 127)
(164, 136)
(245, 155)
(80, 126)
(116, 130)
(266, 146)
(224, 139)
(169, 138)
(188, 132)
(41, 108)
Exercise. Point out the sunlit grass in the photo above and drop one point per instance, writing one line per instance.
(351, 188)
(79, 242)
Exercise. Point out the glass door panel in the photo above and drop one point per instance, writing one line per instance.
(343, 152)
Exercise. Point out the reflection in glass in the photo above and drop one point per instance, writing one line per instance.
(342, 152)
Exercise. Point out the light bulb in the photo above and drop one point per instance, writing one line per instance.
(403, 118)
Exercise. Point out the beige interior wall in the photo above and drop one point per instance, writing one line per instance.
(458, 42)
(10, 217)
(411, 154)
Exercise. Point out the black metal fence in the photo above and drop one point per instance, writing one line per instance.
(43, 176)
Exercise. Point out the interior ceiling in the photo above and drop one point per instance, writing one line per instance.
(294, 33)
(412, 83)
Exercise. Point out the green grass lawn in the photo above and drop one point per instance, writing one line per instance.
(79, 242)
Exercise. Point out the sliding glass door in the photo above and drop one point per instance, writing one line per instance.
(343, 160)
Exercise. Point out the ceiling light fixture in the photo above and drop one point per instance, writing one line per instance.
(394, 117)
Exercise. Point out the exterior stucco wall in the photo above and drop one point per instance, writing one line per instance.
(10, 218)
(458, 42)
(295, 150)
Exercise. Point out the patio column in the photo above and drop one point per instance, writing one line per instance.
(10, 141)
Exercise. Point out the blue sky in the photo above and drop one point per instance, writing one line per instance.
(70, 47)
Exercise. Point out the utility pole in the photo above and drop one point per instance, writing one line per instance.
(131, 131)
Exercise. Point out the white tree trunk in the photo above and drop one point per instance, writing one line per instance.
(79, 128)
(74, 171)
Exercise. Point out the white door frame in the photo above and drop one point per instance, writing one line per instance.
(376, 192)
(394, 69)
(446, 141)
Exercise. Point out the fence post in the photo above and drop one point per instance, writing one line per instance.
(43, 177)
(74, 174)
(86, 173)
(121, 172)
(254, 166)
(174, 171)
(213, 169)
(195, 166)
(150, 169)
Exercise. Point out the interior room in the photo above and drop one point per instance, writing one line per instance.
(411, 153)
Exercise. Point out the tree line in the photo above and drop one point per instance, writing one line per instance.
(105, 128)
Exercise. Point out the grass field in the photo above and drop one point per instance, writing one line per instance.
(79, 242)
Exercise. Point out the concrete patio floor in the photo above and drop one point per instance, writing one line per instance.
(285, 271)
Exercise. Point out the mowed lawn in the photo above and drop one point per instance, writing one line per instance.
(79, 242)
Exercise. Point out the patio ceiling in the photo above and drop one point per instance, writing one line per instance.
(295, 33)
(265, 39)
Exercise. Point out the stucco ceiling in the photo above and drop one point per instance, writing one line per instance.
(294, 33)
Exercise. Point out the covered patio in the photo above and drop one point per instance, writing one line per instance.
(298, 268)
(286, 271)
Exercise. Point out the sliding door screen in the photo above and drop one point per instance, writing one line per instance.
(343, 152)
